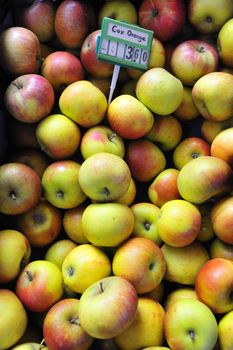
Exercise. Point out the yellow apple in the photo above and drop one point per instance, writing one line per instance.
(129, 196)
(30, 346)
(225, 44)
(58, 250)
(157, 293)
(123, 10)
(179, 293)
(220, 249)
(187, 109)
(225, 335)
(72, 224)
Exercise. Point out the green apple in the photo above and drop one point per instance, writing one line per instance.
(165, 93)
(58, 250)
(225, 326)
(104, 177)
(84, 265)
(108, 307)
(58, 191)
(123, 10)
(14, 319)
(107, 224)
(191, 325)
(15, 253)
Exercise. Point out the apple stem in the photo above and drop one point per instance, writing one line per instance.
(155, 12)
(112, 136)
(29, 274)
(13, 195)
(147, 225)
(101, 287)
(192, 334)
(41, 344)
(201, 49)
(209, 19)
(19, 86)
(75, 320)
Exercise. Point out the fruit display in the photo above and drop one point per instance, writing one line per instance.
(116, 214)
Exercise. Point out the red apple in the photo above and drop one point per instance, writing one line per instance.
(222, 219)
(222, 145)
(164, 17)
(19, 51)
(29, 98)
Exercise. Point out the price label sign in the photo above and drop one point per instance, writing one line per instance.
(124, 44)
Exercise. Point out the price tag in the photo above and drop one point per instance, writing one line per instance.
(124, 44)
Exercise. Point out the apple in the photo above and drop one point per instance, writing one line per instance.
(94, 67)
(224, 43)
(58, 250)
(19, 51)
(156, 348)
(222, 219)
(29, 98)
(72, 225)
(102, 83)
(220, 249)
(225, 325)
(165, 18)
(145, 159)
(20, 188)
(179, 293)
(222, 145)
(30, 346)
(41, 224)
(83, 266)
(146, 328)
(12, 327)
(38, 17)
(214, 283)
(128, 117)
(204, 178)
(39, 285)
(178, 223)
(145, 225)
(190, 324)
(104, 177)
(209, 16)
(101, 138)
(129, 196)
(107, 224)
(141, 262)
(164, 187)
(84, 103)
(187, 109)
(164, 100)
(210, 129)
(62, 329)
(206, 232)
(192, 59)
(58, 136)
(108, 307)
(183, 263)
(128, 88)
(157, 293)
(15, 253)
(189, 148)
(62, 68)
(212, 95)
(166, 132)
(57, 190)
(123, 10)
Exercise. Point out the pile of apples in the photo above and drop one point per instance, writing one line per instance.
(116, 216)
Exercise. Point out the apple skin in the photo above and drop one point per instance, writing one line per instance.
(220, 249)
(165, 18)
(225, 331)
(104, 177)
(61, 327)
(111, 303)
(179, 293)
(59, 137)
(209, 16)
(224, 44)
(141, 262)
(19, 51)
(41, 224)
(178, 223)
(222, 146)
(190, 324)
(78, 101)
(212, 95)
(72, 226)
(20, 188)
(119, 10)
(192, 59)
(83, 266)
(107, 224)
(128, 117)
(38, 17)
(71, 23)
(12, 328)
(56, 189)
(146, 328)
(222, 219)
(164, 187)
(204, 178)
(206, 232)
(145, 159)
(187, 109)
(189, 148)
(183, 263)
(58, 250)
(101, 138)
(94, 67)
(62, 68)
(214, 283)
(161, 101)
(210, 129)
(129, 196)
(15, 253)
(29, 346)
(39, 285)
(29, 98)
